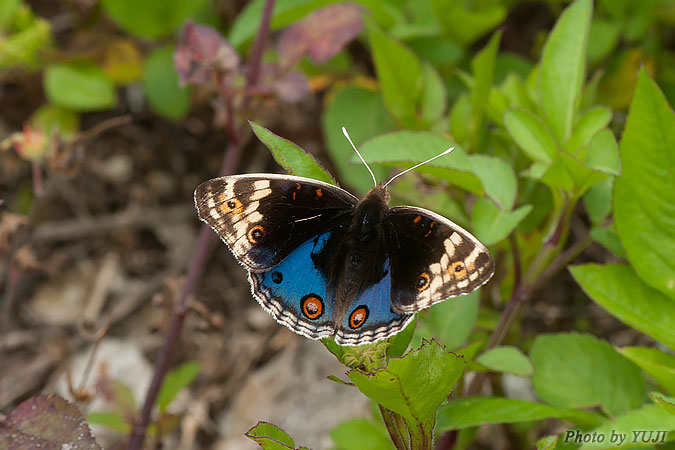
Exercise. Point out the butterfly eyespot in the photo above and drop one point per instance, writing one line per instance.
(256, 233)
(423, 281)
(459, 269)
(277, 277)
(312, 306)
(233, 205)
(358, 317)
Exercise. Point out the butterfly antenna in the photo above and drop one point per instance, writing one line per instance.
(344, 131)
(416, 166)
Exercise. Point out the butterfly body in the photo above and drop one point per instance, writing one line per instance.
(324, 263)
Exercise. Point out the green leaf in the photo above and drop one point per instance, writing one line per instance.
(619, 290)
(434, 101)
(110, 420)
(460, 116)
(436, 50)
(362, 112)
(405, 148)
(635, 425)
(150, 18)
(660, 365)
(270, 437)
(574, 370)
(291, 157)
(562, 71)
(400, 341)
(607, 237)
(497, 178)
(79, 86)
(598, 200)
(53, 119)
(547, 443)
(602, 39)
(464, 25)
(414, 385)
(360, 434)
(603, 153)
(492, 224)
(644, 196)
(399, 72)
(665, 402)
(7, 10)
(451, 321)
(588, 125)
(121, 398)
(483, 68)
(531, 135)
(473, 411)
(175, 381)
(506, 359)
(160, 82)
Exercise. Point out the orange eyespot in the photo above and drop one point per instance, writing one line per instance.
(457, 269)
(256, 233)
(423, 281)
(232, 205)
(358, 317)
(312, 306)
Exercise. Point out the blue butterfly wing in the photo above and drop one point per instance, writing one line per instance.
(294, 292)
(370, 316)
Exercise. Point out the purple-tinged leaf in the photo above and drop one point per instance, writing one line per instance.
(321, 34)
(291, 87)
(46, 422)
(200, 51)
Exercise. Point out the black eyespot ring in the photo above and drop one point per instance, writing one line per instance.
(358, 317)
(312, 306)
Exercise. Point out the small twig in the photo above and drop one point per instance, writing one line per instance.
(97, 129)
(98, 225)
(38, 179)
(255, 58)
(99, 292)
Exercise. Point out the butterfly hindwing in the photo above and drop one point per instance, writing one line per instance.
(263, 218)
(370, 317)
(295, 291)
(432, 259)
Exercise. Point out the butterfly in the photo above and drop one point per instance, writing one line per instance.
(324, 263)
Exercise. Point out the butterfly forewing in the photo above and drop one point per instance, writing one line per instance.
(263, 218)
(432, 259)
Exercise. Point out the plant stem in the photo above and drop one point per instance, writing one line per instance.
(395, 431)
(536, 277)
(202, 249)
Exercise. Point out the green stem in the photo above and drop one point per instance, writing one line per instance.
(540, 270)
(394, 428)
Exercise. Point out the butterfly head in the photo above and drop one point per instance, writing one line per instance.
(370, 213)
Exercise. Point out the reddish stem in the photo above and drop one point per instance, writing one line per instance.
(202, 250)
